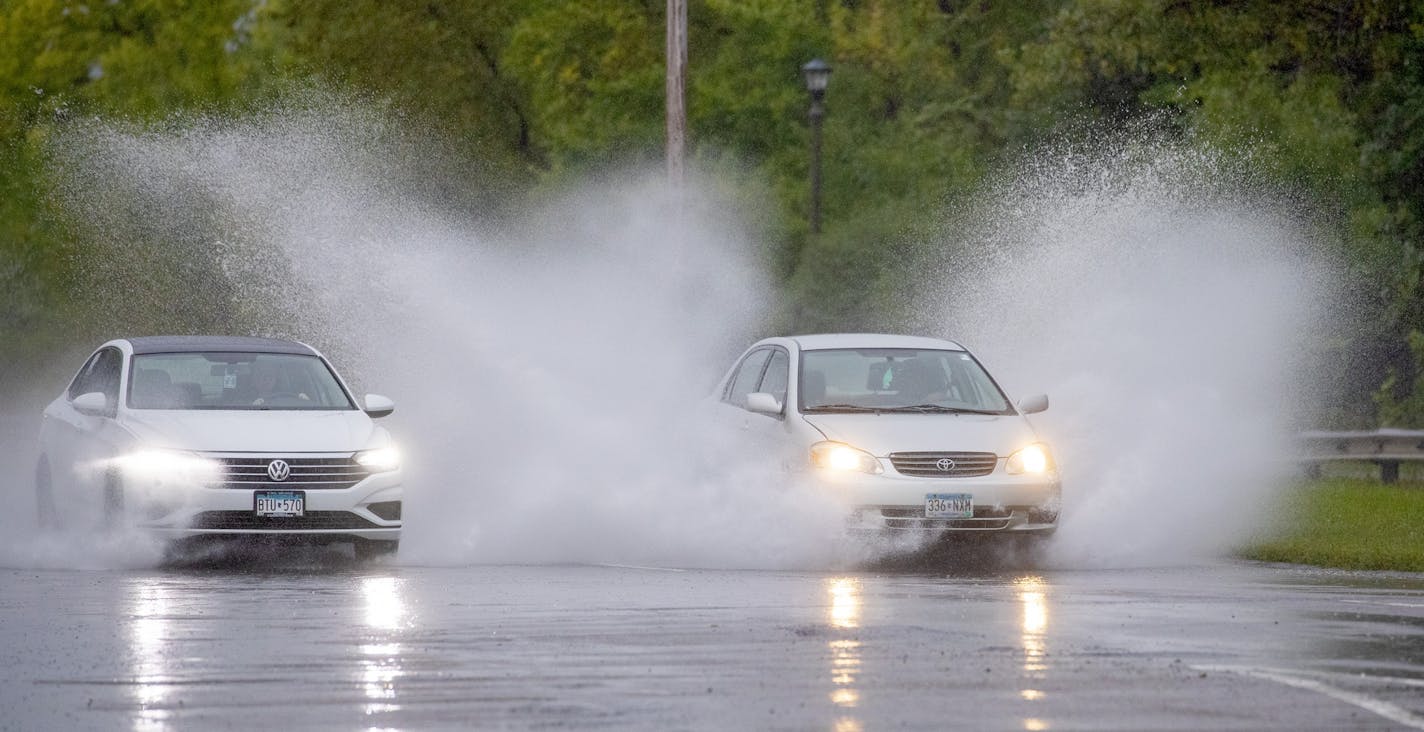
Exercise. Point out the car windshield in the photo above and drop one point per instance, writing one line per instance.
(234, 381)
(897, 379)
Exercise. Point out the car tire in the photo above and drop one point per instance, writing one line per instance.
(113, 499)
(367, 549)
(45, 512)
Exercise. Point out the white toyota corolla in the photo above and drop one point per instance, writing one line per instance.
(911, 433)
(195, 435)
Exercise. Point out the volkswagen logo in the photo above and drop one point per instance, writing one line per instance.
(944, 464)
(279, 470)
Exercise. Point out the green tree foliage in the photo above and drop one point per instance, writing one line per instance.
(63, 60)
(1325, 95)
(927, 98)
(593, 71)
(919, 110)
(440, 62)
(132, 58)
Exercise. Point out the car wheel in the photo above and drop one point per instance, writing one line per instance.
(113, 499)
(367, 549)
(44, 495)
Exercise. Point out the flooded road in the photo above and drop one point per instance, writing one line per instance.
(347, 646)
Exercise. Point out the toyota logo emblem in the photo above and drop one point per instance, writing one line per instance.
(945, 465)
(278, 470)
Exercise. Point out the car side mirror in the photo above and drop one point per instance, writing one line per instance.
(378, 406)
(1033, 404)
(94, 404)
(763, 403)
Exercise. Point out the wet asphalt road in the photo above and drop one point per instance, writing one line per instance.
(323, 642)
(347, 646)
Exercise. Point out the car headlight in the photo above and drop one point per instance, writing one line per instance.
(176, 465)
(1032, 460)
(842, 457)
(379, 460)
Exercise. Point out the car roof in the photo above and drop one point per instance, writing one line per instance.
(218, 344)
(820, 341)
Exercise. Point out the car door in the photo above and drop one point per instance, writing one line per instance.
(91, 439)
(775, 431)
(726, 413)
(766, 436)
(63, 427)
(746, 377)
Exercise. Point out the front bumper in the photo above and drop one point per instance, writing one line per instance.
(370, 510)
(895, 503)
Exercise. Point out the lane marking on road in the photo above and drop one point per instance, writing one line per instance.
(1368, 703)
(1361, 677)
(1382, 602)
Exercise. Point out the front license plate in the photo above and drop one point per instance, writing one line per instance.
(279, 504)
(949, 505)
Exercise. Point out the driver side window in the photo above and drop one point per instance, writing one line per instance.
(774, 382)
(100, 374)
(81, 379)
(747, 378)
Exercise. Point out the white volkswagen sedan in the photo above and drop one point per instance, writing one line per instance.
(193, 435)
(911, 433)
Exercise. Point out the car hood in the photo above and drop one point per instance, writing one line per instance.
(883, 434)
(254, 431)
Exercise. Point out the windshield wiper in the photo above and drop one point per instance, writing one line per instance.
(843, 408)
(938, 409)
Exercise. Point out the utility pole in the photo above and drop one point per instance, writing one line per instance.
(676, 82)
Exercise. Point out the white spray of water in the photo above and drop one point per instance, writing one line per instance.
(545, 373)
(1164, 308)
(547, 376)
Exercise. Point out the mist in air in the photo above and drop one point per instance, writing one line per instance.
(548, 372)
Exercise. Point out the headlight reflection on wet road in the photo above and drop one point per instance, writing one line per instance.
(844, 615)
(150, 630)
(381, 659)
(410, 647)
(1032, 596)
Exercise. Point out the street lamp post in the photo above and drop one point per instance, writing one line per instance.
(817, 74)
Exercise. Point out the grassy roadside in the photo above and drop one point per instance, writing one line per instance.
(1349, 523)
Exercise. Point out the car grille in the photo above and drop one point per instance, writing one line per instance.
(388, 510)
(927, 464)
(309, 473)
(246, 520)
(985, 518)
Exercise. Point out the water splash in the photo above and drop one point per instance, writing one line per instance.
(545, 370)
(547, 373)
(1166, 301)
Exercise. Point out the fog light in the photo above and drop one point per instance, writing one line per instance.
(388, 510)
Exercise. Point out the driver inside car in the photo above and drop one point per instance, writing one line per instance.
(266, 380)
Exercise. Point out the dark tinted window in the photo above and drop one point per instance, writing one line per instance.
(101, 374)
(81, 379)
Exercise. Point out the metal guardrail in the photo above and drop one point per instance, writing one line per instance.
(1384, 447)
